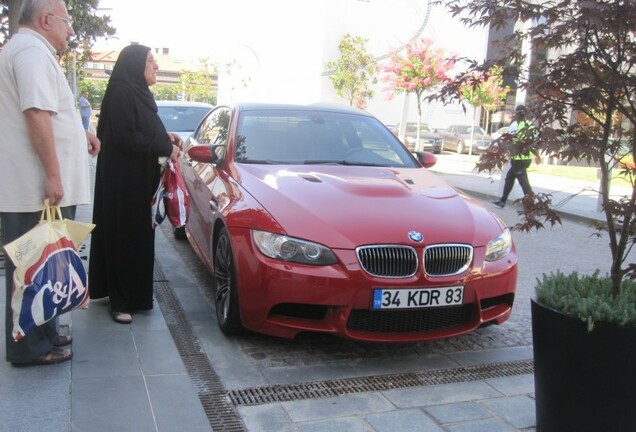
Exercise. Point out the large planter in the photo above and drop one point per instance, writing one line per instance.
(584, 381)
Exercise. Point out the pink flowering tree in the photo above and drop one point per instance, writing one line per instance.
(418, 69)
(485, 89)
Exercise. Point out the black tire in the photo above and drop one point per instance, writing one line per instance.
(226, 300)
(179, 233)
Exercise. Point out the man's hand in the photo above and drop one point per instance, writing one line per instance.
(94, 144)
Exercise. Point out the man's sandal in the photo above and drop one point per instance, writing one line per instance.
(56, 355)
(61, 341)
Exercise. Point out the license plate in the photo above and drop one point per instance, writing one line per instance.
(417, 298)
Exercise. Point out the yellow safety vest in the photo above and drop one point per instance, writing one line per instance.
(521, 125)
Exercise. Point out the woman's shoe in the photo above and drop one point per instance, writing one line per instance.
(121, 317)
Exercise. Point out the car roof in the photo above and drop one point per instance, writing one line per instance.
(344, 109)
(184, 104)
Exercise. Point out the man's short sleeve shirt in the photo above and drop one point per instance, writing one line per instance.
(30, 77)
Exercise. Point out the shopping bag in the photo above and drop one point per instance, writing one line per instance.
(157, 205)
(50, 278)
(176, 198)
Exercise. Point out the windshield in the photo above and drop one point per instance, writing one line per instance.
(412, 129)
(181, 118)
(466, 130)
(317, 137)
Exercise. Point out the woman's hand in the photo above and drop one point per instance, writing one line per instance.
(175, 140)
(175, 152)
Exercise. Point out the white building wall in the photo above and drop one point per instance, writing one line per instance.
(287, 62)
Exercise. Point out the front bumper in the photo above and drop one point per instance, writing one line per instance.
(284, 299)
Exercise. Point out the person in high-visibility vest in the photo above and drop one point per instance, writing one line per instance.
(519, 163)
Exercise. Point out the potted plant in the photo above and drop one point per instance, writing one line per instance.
(580, 77)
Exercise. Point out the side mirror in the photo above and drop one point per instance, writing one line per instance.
(203, 153)
(426, 159)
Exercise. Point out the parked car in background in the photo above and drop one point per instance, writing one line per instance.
(499, 132)
(458, 138)
(182, 117)
(429, 140)
(318, 219)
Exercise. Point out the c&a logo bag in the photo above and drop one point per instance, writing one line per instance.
(50, 278)
(55, 284)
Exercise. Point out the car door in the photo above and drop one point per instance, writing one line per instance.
(202, 178)
(449, 137)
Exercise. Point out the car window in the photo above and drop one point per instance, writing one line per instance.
(412, 129)
(181, 118)
(307, 137)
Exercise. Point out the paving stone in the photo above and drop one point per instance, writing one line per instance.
(269, 417)
(492, 425)
(458, 412)
(349, 424)
(411, 420)
(519, 411)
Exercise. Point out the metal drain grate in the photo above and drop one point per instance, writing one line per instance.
(310, 390)
(218, 408)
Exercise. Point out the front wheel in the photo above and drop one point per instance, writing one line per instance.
(226, 300)
(460, 147)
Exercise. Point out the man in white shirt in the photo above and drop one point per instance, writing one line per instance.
(43, 147)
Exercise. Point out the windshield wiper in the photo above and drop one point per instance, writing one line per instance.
(339, 162)
(262, 162)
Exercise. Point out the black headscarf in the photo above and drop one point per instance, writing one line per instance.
(129, 72)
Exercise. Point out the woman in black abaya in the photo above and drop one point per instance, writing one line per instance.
(133, 138)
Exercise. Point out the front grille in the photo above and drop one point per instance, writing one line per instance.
(388, 261)
(405, 321)
(447, 260)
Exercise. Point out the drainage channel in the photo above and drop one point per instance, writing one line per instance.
(220, 404)
(218, 408)
(330, 388)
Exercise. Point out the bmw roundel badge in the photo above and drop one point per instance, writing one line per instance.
(416, 236)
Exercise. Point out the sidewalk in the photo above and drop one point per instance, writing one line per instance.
(136, 378)
(459, 172)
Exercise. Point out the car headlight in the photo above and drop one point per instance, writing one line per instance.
(500, 246)
(291, 249)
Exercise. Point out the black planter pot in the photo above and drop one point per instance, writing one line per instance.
(583, 381)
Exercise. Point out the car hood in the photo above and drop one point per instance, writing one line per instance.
(345, 207)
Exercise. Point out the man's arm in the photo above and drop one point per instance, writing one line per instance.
(40, 128)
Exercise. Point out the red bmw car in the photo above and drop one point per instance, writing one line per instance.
(317, 219)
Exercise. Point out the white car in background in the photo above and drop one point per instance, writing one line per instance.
(182, 118)
(499, 132)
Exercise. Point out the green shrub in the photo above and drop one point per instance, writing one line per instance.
(589, 298)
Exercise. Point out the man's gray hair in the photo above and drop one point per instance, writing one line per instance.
(32, 9)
